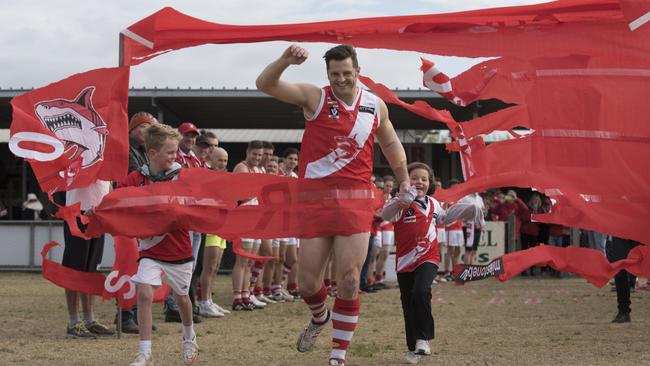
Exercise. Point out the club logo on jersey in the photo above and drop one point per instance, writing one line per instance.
(346, 148)
(409, 216)
(76, 123)
(366, 109)
(333, 108)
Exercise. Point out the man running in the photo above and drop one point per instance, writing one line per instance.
(341, 123)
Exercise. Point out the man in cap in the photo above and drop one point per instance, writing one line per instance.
(186, 157)
(138, 124)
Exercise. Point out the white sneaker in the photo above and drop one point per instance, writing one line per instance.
(190, 350)
(216, 306)
(308, 336)
(278, 296)
(266, 299)
(142, 360)
(422, 347)
(336, 362)
(206, 309)
(412, 358)
(256, 302)
(286, 296)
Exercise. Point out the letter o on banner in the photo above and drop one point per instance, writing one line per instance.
(16, 139)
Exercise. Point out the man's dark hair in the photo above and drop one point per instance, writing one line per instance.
(209, 134)
(255, 144)
(289, 151)
(268, 145)
(340, 53)
(453, 182)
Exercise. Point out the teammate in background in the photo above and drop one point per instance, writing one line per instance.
(86, 256)
(187, 159)
(341, 123)
(285, 285)
(217, 159)
(241, 272)
(270, 167)
(387, 237)
(473, 228)
(442, 240)
(168, 256)
(262, 247)
(455, 240)
(417, 253)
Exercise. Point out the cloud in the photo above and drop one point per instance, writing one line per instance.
(44, 41)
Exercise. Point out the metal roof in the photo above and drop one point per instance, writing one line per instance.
(252, 109)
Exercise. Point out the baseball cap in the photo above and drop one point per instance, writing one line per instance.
(203, 141)
(187, 127)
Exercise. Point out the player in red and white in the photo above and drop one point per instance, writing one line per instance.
(455, 241)
(387, 237)
(241, 271)
(271, 166)
(285, 287)
(442, 239)
(415, 216)
(342, 121)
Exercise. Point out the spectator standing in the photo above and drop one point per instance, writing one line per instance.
(86, 256)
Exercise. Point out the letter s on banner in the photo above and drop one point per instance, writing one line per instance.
(18, 138)
(118, 285)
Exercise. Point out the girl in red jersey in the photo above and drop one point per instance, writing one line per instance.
(415, 215)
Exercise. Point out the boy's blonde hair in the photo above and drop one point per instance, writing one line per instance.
(156, 135)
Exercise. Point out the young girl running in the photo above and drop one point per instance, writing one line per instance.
(415, 215)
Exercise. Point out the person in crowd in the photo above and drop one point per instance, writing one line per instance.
(415, 216)
(387, 237)
(138, 124)
(339, 117)
(529, 229)
(617, 249)
(442, 241)
(33, 205)
(473, 228)
(167, 257)
(272, 166)
(241, 271)
(286, 272)
(217, 159)
(187, 159)
(84, 255)
(455, 240)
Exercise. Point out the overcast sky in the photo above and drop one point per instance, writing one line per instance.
(43, 41)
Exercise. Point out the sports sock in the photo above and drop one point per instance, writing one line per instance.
(89, 317)
(345, 315)
(316, 303)
(72, 320)
(145, 347)
(188, 332)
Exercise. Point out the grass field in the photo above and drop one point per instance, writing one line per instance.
(527, 321)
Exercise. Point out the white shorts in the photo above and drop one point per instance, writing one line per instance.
(177, 276)
(387, 239)
(275, 243)
(376, 240)
(251, 242)
(442, 236)
(455, 238)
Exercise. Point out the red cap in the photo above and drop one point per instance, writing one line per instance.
(187, 127)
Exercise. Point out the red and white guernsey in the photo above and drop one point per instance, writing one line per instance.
(387, 225)
(415, 234)
(339, 138)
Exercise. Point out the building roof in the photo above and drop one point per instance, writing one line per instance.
(251, 109)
